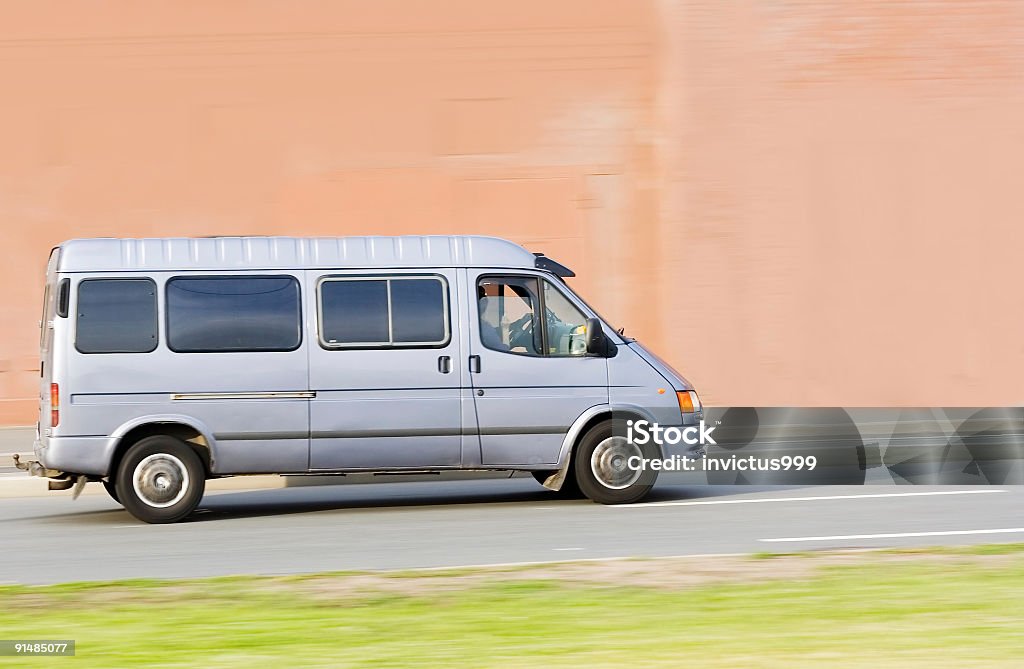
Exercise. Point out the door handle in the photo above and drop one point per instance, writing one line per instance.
(444, 364)
(474, 364)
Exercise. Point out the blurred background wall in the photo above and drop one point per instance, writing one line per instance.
(803, 203)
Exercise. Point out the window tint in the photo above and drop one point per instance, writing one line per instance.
(116, 316)
(417, 311)
(251, 313)
(355, 312)
(386, 311)
(63, 297)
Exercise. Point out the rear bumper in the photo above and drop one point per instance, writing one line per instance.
(76, 455)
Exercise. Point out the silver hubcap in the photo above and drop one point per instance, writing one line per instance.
(160, 480)
(610, 463)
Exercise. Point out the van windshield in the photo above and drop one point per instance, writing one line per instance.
(592, 309)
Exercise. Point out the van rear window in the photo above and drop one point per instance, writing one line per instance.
(397, 311)
(116, 316)
(236, 313)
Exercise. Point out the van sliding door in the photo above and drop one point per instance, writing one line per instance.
(238, 341)
(385, 370)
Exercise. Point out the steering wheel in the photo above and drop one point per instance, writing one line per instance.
(520, 332)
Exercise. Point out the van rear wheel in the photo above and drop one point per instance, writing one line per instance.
(606, 470)
(160, 480)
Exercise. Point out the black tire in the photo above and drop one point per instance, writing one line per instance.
(170, 477)
(570, 488)
(635, 485)
(110, 485)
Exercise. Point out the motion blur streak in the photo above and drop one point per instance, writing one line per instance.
(792, 200)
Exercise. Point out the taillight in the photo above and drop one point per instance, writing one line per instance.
(54, 404)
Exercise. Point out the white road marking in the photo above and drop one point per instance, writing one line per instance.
(898, 535)
(566, 549)
(760, 500)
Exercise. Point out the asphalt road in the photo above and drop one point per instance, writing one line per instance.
(448, 524)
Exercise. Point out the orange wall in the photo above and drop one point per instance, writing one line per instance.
(795, 202)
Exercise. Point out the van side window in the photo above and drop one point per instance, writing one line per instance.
(566, 325)
(395, 311)
(510, 309)
(233, 313)
(116, 316)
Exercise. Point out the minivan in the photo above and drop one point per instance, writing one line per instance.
(168, 362)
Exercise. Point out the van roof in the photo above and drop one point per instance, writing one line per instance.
(241, 253)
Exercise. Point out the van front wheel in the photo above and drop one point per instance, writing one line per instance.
(607, 466)
(160, 480)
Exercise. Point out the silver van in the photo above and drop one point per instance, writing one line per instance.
(167, 362)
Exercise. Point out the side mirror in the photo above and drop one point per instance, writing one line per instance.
(596, 342)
